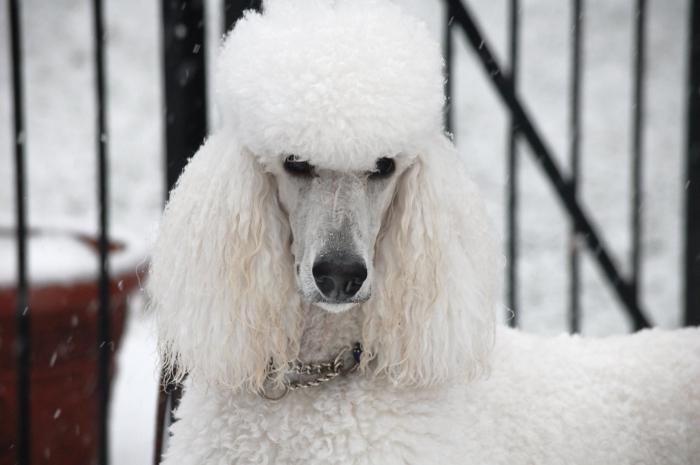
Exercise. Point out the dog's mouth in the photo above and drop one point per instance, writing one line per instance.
(314, 296)
(339, 305)
(333, 307)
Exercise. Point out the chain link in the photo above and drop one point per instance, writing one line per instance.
(321, 372)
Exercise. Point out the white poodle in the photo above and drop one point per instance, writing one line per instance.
(326, 249)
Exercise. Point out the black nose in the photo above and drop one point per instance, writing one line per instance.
(339, 277)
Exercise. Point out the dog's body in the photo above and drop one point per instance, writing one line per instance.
(565, 400)
(331, 209)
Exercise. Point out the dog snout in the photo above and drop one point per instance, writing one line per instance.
(339, 277)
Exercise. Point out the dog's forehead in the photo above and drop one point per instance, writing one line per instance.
(341, 83)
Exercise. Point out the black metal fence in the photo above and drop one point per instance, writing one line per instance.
(186, 127)
(523, 126)
(23, 307)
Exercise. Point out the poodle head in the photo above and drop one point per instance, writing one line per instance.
(331, 183)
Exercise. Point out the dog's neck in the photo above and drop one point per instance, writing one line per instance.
(325, 333)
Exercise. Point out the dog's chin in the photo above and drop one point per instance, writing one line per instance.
(336, 308)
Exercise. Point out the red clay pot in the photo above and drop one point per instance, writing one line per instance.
(64, 397)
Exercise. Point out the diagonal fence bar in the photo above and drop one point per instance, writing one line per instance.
(22, 309)
(542, 153)
(104, 340)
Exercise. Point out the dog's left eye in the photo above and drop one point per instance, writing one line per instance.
(293, 165)
(383, 169)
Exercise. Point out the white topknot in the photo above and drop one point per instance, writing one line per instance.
(339, 82)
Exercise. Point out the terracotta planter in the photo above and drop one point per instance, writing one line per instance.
(64, 402)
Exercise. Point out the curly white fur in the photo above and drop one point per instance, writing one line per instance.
(347, 97)
(344, 82)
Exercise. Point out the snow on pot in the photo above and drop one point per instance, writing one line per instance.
(64, 305)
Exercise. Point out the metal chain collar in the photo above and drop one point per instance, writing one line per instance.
(312, 374)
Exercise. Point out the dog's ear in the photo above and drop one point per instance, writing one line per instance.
(221, 277)
(431, 315)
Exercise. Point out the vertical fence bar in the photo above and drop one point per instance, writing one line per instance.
(22, 311)
(692, 181)
(574, 151)
(233, 10)
(637, 145)
(104, 342)
(184, 72)
(448, 53)
(512, 173)
(185, 82)
(162, 418)
(168, 398)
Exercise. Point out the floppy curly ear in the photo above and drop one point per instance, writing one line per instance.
(221, 271)
(431, 316)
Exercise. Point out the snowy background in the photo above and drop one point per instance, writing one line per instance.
(61, 156)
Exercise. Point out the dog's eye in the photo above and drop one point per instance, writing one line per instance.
(293, 165)
(383, 169)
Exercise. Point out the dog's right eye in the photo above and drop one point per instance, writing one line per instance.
(293, 165)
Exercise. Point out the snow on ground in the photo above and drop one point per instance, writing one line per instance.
(61, 155)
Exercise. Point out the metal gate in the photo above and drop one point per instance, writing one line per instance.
(186, 127)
